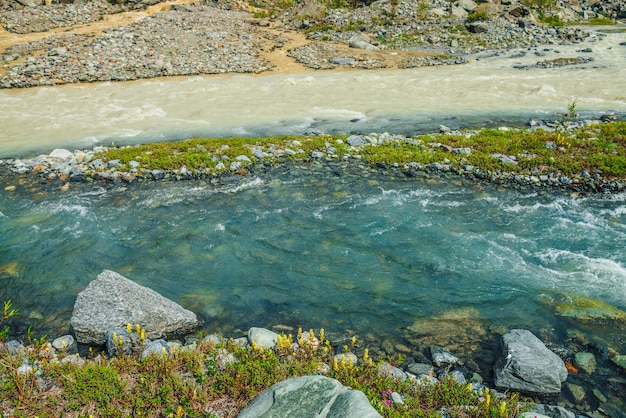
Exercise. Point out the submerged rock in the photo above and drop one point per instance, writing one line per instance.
(586, 309)
(525, 364)
(619, 361)
(552, 411)
(585, 362)
(310, 396)
(9, 269)
(459, 330)
(112, 301)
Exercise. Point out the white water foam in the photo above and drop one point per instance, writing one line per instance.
(81, 211)
(590, 275)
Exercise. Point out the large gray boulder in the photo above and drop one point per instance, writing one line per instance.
(112, 301)
(526, 365)
(310, 396)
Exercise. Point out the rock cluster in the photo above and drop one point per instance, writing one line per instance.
(209, 37)
(437, 25)
(523, 364)
(87, 165)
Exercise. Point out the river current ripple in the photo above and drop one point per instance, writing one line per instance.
(318, 246)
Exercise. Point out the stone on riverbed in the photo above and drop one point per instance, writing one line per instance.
(458, 330)
(112, 301)
(526, 365)
(310, 396)
(586, 309)
(585, 362)
(619, 361)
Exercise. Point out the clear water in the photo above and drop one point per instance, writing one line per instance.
(333, 247)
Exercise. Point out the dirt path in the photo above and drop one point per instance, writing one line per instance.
(277, 55)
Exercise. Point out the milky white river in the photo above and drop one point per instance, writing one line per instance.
(488, 89)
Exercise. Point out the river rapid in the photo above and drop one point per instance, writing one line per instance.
(401, 262)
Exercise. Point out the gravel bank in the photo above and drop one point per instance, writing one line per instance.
(209, 37)
(187, 40)
(45, 18)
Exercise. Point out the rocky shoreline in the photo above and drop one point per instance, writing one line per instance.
(521, 363)
(98, 41)
(61, 167)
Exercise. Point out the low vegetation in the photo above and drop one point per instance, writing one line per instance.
(595, 149)
(203, 382)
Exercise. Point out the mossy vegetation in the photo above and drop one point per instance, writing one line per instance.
(596, 149)
(551, 20)
(219, 380)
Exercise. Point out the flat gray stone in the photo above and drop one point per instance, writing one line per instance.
(310, 396)
(386, 369)
(443, 358)
(158, 348)
(467, 5)
(62, 154)
(65, 344)
(355, 140)
(552, 411)
(112, 301)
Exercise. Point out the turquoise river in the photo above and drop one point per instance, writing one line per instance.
(398, 261)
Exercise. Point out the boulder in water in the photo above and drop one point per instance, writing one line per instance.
(112, 301)
(526, 365)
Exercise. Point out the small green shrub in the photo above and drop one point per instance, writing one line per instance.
(7, 312)
(600, 21)
(478, 17)
(552, 20)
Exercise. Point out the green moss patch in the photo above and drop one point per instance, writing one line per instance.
(587, 309)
